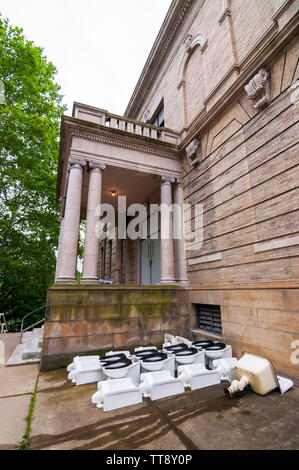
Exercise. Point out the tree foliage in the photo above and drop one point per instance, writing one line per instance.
(29, 134)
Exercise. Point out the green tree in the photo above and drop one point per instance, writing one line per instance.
(29, 138)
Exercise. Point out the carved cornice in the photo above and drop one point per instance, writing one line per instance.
(116, 142)
(151, 70)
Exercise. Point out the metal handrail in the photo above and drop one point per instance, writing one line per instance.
(28, 315)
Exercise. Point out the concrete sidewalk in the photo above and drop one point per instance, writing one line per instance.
(65, 418)
(16, 386)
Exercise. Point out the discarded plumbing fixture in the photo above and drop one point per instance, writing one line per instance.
(157, 362)
(116, 393)
(85, 369)
(197, 376)
(257, 374)
(160, 384)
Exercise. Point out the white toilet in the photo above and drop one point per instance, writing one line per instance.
(197, 376)
(157, 362)
(226, 368)
(189, 356)
(117, 393)
(160, 384)
(85, 369)
(124, 368)
(217, 351)
(145, 348)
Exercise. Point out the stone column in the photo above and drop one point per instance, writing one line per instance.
(182, 277)
(167, 253)
(68, 246)
(91, 242)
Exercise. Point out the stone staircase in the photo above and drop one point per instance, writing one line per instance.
(29, 350)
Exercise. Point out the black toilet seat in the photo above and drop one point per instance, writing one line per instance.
(145, 353)
(216, 347)
(155, 357)
(187, 352)
(113, 358)
(118, 365)
(176, 347)
(203, 344)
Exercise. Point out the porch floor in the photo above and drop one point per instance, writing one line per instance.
(65, 418)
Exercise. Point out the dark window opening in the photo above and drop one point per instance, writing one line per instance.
(208, 317)
(158, 117)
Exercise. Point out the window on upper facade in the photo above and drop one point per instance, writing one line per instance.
(158, 118)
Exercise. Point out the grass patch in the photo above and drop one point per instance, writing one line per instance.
(26, 438)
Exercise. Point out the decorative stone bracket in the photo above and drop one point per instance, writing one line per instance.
(258, 89)
(193, 152)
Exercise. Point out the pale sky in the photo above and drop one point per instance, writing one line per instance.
(99, 47)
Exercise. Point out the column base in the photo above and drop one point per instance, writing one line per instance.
(183, 282)
(168, 281)
(89, 280)
(66, 280)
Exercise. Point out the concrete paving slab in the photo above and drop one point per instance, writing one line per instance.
(250, 422)
(53, 380)
(13, 411)
(18, 380)
(73, 422)
(64, 418)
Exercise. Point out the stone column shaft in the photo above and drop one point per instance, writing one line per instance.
(180, 242)
(166, 243)
(68, 245)
(91, 242)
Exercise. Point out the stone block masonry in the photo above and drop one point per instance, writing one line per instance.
(88, 319)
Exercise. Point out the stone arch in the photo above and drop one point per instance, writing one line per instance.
(191, 44)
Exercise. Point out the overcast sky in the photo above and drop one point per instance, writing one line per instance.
(98, 46)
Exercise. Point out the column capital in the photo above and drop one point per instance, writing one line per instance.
(166, 179)
(76, 163)
(96, 166)
(179, 182)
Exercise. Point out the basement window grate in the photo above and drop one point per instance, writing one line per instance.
(209, 317)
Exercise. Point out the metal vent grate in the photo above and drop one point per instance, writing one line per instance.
(209, 317)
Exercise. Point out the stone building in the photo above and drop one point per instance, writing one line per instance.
(212, 121)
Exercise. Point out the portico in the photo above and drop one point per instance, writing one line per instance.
(102, 157)
(109, 160)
